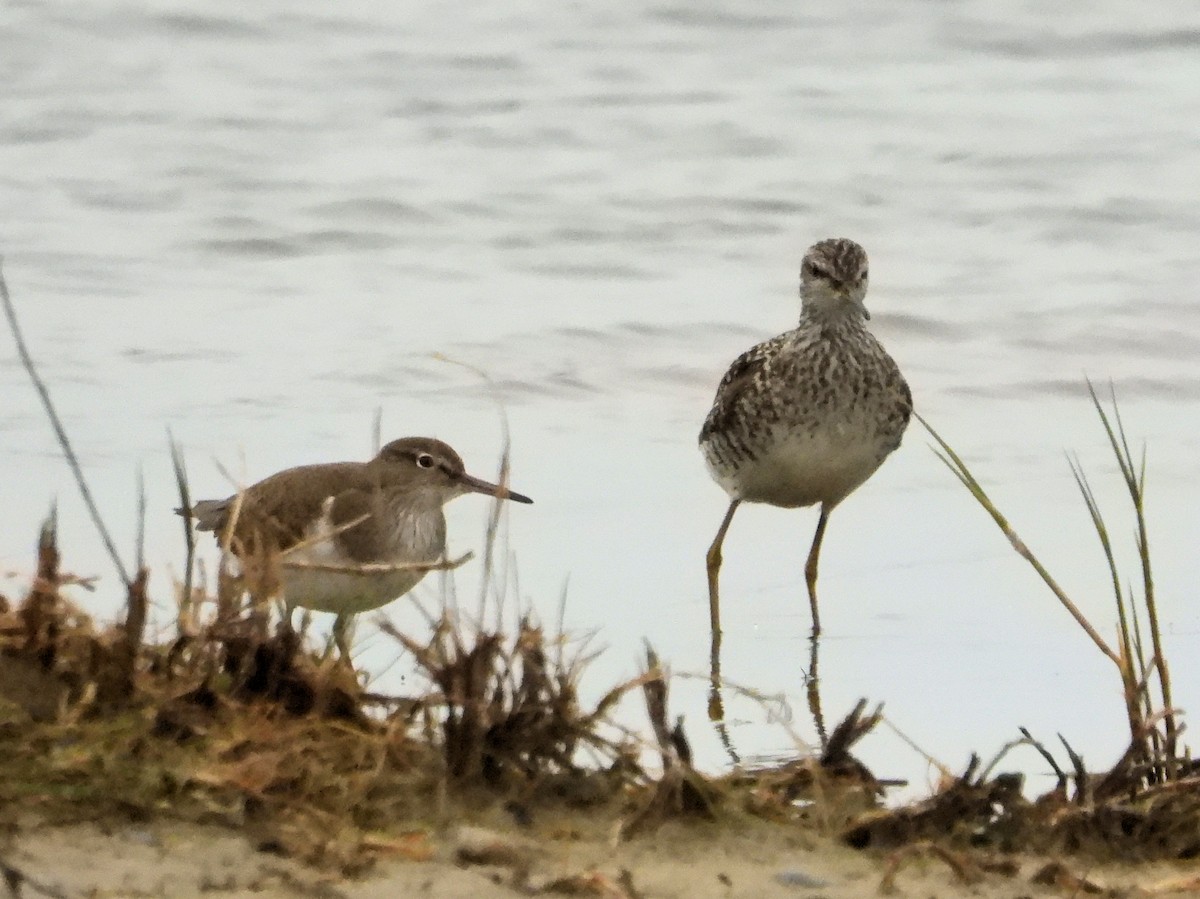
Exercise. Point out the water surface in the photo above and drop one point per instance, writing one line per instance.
(256, 224)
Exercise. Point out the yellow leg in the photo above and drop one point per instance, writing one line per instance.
(810, 570)
(714, 570)
(716, 710)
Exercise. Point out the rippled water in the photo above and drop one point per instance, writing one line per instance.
(255, 224)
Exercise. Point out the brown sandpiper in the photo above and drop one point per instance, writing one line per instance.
(350, 536)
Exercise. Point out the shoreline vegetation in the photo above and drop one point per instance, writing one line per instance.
(238, 722)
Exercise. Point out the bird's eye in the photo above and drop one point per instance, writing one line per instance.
(814, 271)
(425, 460)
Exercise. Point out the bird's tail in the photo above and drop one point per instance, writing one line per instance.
(210, 514)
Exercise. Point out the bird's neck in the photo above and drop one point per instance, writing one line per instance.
(417, 526)
(836, 316)
(401, 498)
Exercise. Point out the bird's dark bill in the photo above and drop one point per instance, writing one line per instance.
(478, 485)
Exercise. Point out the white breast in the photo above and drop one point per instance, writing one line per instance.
(802, 469)
(307, 582)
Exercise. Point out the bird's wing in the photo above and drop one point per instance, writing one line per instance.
(906, 392)
(351, 513)
(746, 370)
(210, 514)
(904, 410)
(276, 510)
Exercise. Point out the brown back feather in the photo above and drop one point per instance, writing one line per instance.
(278, 509)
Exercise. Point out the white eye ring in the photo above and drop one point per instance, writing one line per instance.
(425, 460)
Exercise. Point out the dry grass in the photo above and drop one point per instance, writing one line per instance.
(236, 720)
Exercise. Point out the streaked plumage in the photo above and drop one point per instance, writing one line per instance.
(808, 416)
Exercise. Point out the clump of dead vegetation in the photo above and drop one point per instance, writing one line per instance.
(235, 720)
(232, 717)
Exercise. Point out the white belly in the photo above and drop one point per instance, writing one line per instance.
(802, 469)
(309, 582)
(345, 593)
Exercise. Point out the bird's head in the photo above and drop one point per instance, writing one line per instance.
(429, 465)
(833, 278)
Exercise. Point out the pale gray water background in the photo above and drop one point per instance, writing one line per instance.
(254, 223)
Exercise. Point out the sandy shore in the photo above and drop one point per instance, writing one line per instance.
(178, 860)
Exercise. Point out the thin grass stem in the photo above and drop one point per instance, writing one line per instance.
(60, 432)
(1135, 482)
(963, 473)
(185, 505)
